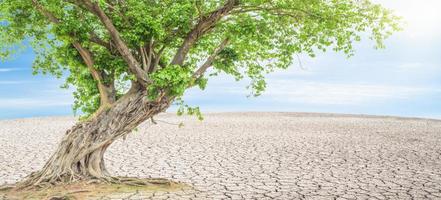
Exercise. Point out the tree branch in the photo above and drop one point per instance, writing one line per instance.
(150, 54)
(106, 99)
(123, 49)
(45, 12)
(211, 59)
(97, 40)
(156, 60)
(106, 92)
(143, 57)
(203, 26)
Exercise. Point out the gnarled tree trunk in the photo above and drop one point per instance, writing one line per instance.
(79, 156)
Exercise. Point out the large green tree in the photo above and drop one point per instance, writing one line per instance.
(128, 60)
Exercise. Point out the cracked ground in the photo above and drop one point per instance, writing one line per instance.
(256, 155)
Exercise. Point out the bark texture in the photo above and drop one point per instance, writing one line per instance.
(80, 155)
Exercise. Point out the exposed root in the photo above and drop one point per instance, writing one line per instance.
(79, 158)
(91, 188)
(31, 182)
(142, 182)
(7, 187)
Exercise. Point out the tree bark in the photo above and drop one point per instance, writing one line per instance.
(80, 155)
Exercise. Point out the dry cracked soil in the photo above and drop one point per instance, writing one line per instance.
(255, 155)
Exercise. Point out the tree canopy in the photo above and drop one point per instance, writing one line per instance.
(166, 46)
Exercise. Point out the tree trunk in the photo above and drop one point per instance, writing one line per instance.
(79, 156)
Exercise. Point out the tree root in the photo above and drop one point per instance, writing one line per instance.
(132, 181)
(142, 182)
(7, 187)
(92, 187)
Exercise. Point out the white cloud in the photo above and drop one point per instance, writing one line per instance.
(10, 69)
(419, 67)
(309, 92)
(315, 92)
(43, 95)
(33, 103)
(6, 69)
(12, 82)
(411, 66)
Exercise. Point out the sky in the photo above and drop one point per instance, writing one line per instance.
(402, 80)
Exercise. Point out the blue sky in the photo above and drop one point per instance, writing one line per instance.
(404, 79)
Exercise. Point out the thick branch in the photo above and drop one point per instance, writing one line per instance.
(123, 49)
(143, 57)
(204, 25)
(150, 54)
(106, 93)
(211, 59)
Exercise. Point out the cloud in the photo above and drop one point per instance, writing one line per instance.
(33, 103)
(10, 69)
(413, 67)
(316, 92)
(309, 92)
(19, 94)
(6, 69)
(12, 82)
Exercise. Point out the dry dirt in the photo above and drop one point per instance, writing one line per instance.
(256, 155)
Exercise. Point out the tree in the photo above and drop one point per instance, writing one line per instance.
(129, 60)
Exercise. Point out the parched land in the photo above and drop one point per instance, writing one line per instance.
(255, 155)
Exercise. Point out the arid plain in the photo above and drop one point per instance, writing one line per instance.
(255, 155)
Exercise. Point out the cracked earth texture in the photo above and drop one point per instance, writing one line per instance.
(256, 155)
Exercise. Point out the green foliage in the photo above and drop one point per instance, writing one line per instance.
(173, 80)
(264, 35)
(186, 109)
(201, 83)
(225, 63)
